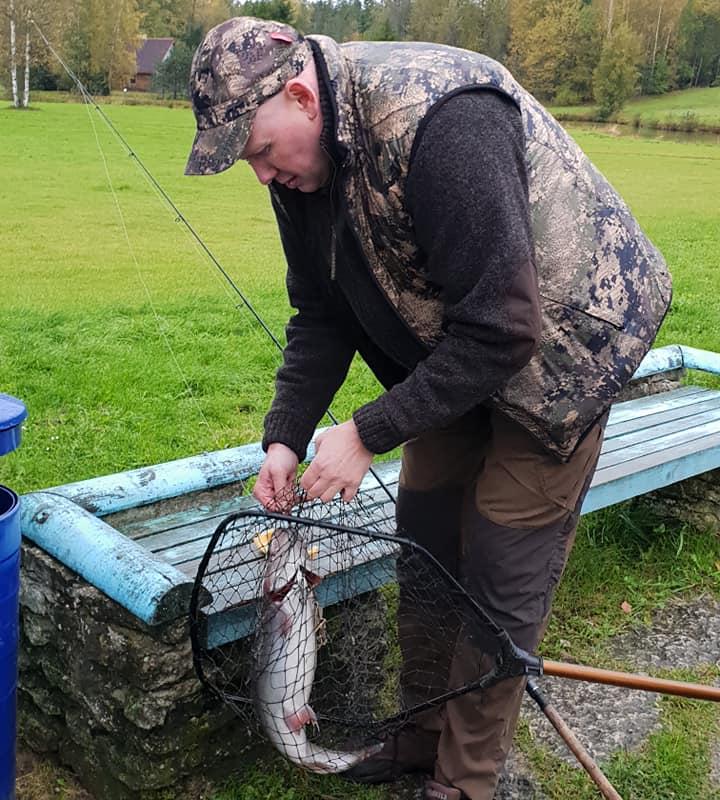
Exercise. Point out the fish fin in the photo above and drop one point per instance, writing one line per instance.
(286, 624)
(312, 578)
(296, 720)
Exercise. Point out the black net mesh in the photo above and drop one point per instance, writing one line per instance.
(332, 634)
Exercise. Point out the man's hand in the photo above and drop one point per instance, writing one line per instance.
(340, 463)
(275, 481)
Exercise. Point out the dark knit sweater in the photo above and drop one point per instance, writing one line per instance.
(467, 194)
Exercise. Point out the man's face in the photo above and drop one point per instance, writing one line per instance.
(284, 143)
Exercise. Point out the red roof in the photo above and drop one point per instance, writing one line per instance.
(151, 53)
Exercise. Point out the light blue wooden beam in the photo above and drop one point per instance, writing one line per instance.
(700, 359)
(677, 356)
(650, 479)
(151, 589)
(109, 494)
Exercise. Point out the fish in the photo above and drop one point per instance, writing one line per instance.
(285, 658)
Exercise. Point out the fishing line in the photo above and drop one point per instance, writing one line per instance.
(179, 217)
(158, 319)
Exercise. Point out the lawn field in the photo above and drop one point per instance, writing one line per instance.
(690, 109)
(129, 349)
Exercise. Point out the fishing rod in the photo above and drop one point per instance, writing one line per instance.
(180, 217)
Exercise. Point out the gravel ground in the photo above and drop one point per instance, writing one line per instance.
(607, 719)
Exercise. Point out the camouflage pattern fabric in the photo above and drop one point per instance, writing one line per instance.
(241, 63)
(604, 287)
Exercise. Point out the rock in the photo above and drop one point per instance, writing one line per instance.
(604, 718)
(684, 634)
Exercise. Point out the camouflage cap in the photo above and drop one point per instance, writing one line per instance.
(241, 63)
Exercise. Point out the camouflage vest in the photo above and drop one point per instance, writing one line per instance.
(604, 287)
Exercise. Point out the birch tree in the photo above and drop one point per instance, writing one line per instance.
(26, 87)
(13, 56)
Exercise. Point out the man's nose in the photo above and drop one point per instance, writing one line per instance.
(264, 173)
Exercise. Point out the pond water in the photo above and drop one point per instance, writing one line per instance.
(613, 129)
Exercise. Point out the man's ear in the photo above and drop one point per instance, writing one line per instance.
(302, 93)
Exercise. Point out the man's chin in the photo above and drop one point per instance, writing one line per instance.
(308, 186)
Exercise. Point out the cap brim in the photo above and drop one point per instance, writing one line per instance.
(217, 149)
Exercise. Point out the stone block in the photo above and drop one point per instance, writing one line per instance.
(113, 698)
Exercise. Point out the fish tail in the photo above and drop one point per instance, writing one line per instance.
(321, 760)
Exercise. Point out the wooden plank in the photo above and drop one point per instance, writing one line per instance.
(642, 406)
(197, 536)
(657, 448)
(615, 485)
(183, 543)
(657, 433)
(239, 581)
(188, 541)
(161, 523)
(166, 530)
(702, 451)
(658, 418)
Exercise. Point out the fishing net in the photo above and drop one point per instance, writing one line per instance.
(331, 633)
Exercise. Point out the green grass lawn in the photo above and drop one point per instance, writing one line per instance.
(691, 109)
(130, 350)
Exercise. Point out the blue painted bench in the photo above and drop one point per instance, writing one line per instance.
(139, 535)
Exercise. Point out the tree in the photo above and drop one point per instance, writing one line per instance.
(480, 25)
(171, 76)
(13, 54)
(555, 46)
(699, 43)
(279, 10)
(101, 41)
(616, 75)
(164, 17)
(25, 49)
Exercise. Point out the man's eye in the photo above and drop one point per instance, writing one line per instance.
(265, 151)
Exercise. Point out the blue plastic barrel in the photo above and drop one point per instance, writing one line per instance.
(12, 413)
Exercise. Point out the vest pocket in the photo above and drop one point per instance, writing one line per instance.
(589, 308)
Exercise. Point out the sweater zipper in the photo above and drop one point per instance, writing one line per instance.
(373, 278)
(333, 232)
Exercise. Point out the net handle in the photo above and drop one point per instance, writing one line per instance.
(575, 746)
(629, 680)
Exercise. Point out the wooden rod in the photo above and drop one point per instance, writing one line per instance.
(586, 760)
(579, 673)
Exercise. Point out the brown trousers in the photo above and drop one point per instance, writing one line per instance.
(500, 513)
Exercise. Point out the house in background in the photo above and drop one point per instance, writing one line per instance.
(150, 54)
